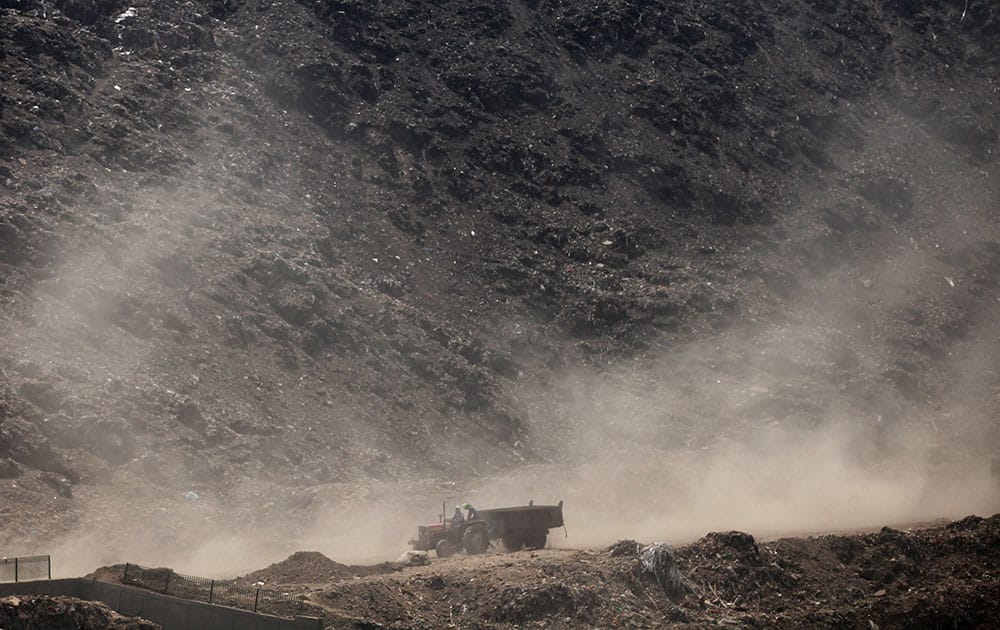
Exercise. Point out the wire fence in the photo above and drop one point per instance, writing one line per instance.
(25, 568)
(233, 593)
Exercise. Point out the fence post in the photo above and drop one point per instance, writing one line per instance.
(48, 562)
(166, 583)
(15, 568)
(211, 591)
(256, 599)
(125, 575)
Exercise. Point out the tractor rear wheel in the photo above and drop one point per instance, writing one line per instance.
(444, 548)
(536, 539)
(476, 540)
(512, 542)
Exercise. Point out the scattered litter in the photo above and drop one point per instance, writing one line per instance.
(191, 495)
(118, 88)
(659, 560)
(414, 558)
(949, 281)
(124, 15)
(625, 548)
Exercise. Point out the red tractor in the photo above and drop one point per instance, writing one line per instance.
(447, 537)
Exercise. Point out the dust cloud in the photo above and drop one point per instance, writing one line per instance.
(775, 429)
(869, 401)
(785, 432)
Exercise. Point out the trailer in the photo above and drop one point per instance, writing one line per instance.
(523, 526)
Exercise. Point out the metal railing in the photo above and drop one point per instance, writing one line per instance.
(25, 568)
(233, 593)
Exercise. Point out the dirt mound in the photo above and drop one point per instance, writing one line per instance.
(733, 579)
(313, 567)
(301, 566)
(111, 573)
(729, 566)
(64, 613)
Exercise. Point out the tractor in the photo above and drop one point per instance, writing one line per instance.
(446, 537)
(517, 527)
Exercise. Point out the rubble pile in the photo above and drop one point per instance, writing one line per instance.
(42, 612)
(930, 576)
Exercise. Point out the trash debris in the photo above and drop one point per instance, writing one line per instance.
(124, 15)
(414, 558)
(950, 281)
(625, 548)
(191, 495)
(659, 560)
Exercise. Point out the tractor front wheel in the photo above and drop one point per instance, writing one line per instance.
(476, 540)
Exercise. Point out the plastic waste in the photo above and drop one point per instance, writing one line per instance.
(124, 15)
(659, 560)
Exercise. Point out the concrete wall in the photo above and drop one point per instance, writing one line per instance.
(170, 612)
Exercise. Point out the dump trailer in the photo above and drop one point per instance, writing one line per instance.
(523, 526)
(517, 527)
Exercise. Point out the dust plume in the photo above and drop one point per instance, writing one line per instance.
(868, 400)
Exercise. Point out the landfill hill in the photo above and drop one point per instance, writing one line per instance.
(926, 577)
(251, 249)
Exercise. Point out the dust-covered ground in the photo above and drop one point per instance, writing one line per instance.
(286, 275)
(931, 576)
